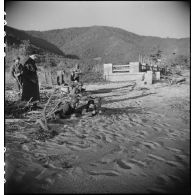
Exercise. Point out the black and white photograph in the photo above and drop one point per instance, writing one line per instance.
(97, 97)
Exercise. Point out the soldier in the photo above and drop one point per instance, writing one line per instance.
(16, 72)
(60, 77)
(76, 73)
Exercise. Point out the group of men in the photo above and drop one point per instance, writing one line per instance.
(27, 79)
(75, 75)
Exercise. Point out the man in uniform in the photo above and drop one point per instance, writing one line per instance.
(60, 77)
(16, 72)
(76, 73)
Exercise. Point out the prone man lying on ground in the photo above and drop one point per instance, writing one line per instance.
(68, 108)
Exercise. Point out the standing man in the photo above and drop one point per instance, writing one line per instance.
(30, 80)
(60, 77)
(17, 71)
(76, 73)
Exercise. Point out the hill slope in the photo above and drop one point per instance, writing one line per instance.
(15, 36)
(94, 45)
(110, 44)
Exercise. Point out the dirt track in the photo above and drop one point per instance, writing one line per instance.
(140, 143)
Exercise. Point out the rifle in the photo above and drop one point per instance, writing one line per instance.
(19, 84)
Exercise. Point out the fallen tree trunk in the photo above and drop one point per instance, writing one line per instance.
(43, 126)
(179, 80)
(16, 120)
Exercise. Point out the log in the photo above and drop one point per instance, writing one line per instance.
(17, 121)
(13, 120)
(44, 127)
(34, 112)
(179, 80)
(54, 109)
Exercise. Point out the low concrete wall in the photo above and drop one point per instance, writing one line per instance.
(124, 76)
(132, 74)
(148, 77)
(157, 76)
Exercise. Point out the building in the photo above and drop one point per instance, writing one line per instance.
(128, 72)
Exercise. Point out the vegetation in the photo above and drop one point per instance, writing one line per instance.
(91, 47)
(156, 57)
(112, 45)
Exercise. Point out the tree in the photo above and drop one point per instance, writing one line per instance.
(155, 57)
(26, 47)
(180, 60)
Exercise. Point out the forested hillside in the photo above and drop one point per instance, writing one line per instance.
(92, 46)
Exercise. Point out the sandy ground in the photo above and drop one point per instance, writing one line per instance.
(140, 143)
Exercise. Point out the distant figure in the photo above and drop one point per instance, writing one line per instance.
(151, 67)
(75, 75)
(60, 77)
(155, 68)
(30, 80)
(17, 71)
(147, 67)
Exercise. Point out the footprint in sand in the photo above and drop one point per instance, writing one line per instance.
(105, 160)
(166, 125)
(51, 166)
(157, 191)
(175, 179)
(184, 159)
(151, 145)
(25, 147)
(157, 129)
(138, 102)
(152, 156)
(175, 150)
(81, 136)
(163, 180)
(50, 181)
(169, 162)
(123, 164)
(138, 162)
(104, 173)
(93, 164)
(141, 136)
(167, 179)
(98, 137)
(137, 120)
(175, 164)
(79, 147)
(61, 142)
(161, 125)
(144, 133)
(41, 175)
(174, 135)
(105, 138)
(171, 130)
(132, 168)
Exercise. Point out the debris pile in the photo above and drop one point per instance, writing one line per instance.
(60, 102)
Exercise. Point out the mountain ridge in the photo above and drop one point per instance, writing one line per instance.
(109, 44)
(87, 42)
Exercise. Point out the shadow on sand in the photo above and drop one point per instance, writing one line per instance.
(119, 111)
(129, 98)
(111, 89)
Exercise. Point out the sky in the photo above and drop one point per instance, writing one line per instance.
(150, 18)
